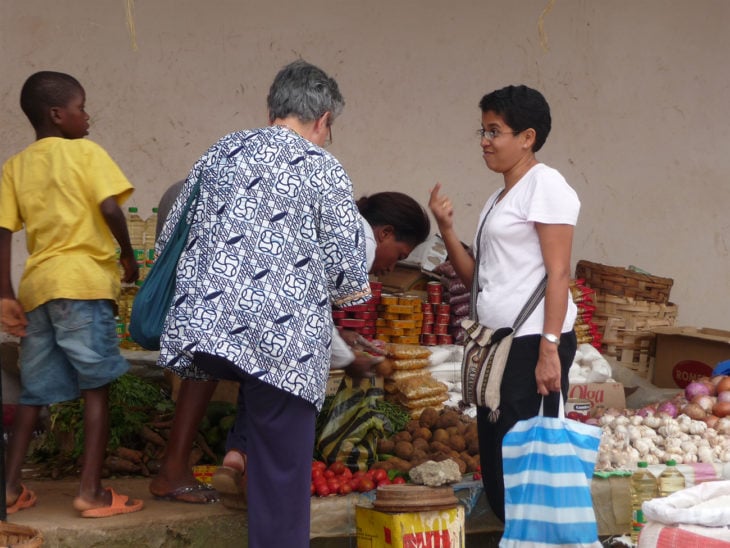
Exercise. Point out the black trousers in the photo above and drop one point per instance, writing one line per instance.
(519, 400)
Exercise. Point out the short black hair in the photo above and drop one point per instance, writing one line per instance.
(46, 89)
(522, 108)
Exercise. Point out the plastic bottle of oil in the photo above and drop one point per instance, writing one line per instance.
(136, 228)
(643, 487)
(671, 480)
(150, 233)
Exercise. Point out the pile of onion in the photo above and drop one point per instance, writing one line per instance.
(707, 398)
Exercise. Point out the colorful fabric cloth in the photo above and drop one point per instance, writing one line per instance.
(53, 189)
(275, 240)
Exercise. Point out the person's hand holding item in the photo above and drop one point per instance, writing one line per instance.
(363, 366)
(12, 317)
(358, 342)
(547, 371)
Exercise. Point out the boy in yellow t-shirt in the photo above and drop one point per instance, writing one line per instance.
(65, 192)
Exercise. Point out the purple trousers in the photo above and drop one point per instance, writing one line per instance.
(276, 431)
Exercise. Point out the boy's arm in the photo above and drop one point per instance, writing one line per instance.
(12, 317)
(114, 217)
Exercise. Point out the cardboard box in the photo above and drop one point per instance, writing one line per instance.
(686, 353)
(404, 279)
(608, 394)
(433, 529)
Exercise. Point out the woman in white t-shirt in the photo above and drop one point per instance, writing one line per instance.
(527, 234)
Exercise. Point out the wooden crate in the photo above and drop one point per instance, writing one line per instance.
(626, 326)
(624, 282)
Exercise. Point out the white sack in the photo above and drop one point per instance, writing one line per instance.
(705, 504)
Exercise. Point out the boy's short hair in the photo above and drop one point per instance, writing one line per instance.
(522, 108)
(46, 89)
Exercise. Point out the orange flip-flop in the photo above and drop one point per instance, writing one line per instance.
(26, 499)
(118, 506)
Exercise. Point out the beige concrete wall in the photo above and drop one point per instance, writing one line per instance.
(638, 91)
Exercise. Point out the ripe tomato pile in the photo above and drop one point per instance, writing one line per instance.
(338, 479)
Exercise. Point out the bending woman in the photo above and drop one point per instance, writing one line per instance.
(394, 224)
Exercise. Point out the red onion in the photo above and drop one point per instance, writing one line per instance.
(669, 408)
(705, 402)
(646, 411)
(694, 411)
(696, 388)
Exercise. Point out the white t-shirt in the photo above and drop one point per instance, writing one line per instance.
(511, 264)
(342, 354)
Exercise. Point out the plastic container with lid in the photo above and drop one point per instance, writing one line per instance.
(670, 480)
(643, 487)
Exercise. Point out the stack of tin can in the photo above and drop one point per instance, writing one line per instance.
(436, 317)
(361, 317)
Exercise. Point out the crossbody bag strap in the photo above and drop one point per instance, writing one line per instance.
(475, 278)
(531, 304)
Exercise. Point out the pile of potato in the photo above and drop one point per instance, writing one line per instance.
(434, 435)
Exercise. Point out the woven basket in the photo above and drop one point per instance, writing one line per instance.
(626, 325)
(622, 282)
(19, 536)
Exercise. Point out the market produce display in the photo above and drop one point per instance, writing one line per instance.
(692, 427)
(435, 435)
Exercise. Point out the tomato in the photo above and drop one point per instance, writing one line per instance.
(398, 480)
(477, 475)
(333, 484)
(317, 473)
(379, 475)
(337, 467)
(318, 465)
(354, 482)
(365, 484)
(346, 473)
(384, 481)
(370, 473)
(323, 490)
(314, 490)
(329, 473)
(345, 489)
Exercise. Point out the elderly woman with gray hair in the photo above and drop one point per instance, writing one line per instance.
(275, 240)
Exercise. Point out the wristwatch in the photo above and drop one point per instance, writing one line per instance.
(549, 337)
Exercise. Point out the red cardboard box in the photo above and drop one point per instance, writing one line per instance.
(685, 353)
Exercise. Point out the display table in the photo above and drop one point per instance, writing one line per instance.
(335, 516)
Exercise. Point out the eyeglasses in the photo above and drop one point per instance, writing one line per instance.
(492, 134)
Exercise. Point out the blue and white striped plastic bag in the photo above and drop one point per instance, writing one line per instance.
(548, 465)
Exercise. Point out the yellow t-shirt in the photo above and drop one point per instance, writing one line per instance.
(54, 189)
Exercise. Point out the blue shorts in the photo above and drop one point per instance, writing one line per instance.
(70, 346)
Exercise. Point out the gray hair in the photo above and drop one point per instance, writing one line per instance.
(305, 91)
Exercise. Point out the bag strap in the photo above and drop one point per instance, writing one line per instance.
(475, 279)
(531, 303)
(561, 407)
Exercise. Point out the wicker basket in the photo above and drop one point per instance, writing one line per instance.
(626, 325)
(19, 536)
(622, 282)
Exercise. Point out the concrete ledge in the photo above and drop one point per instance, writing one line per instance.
(161, 524)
